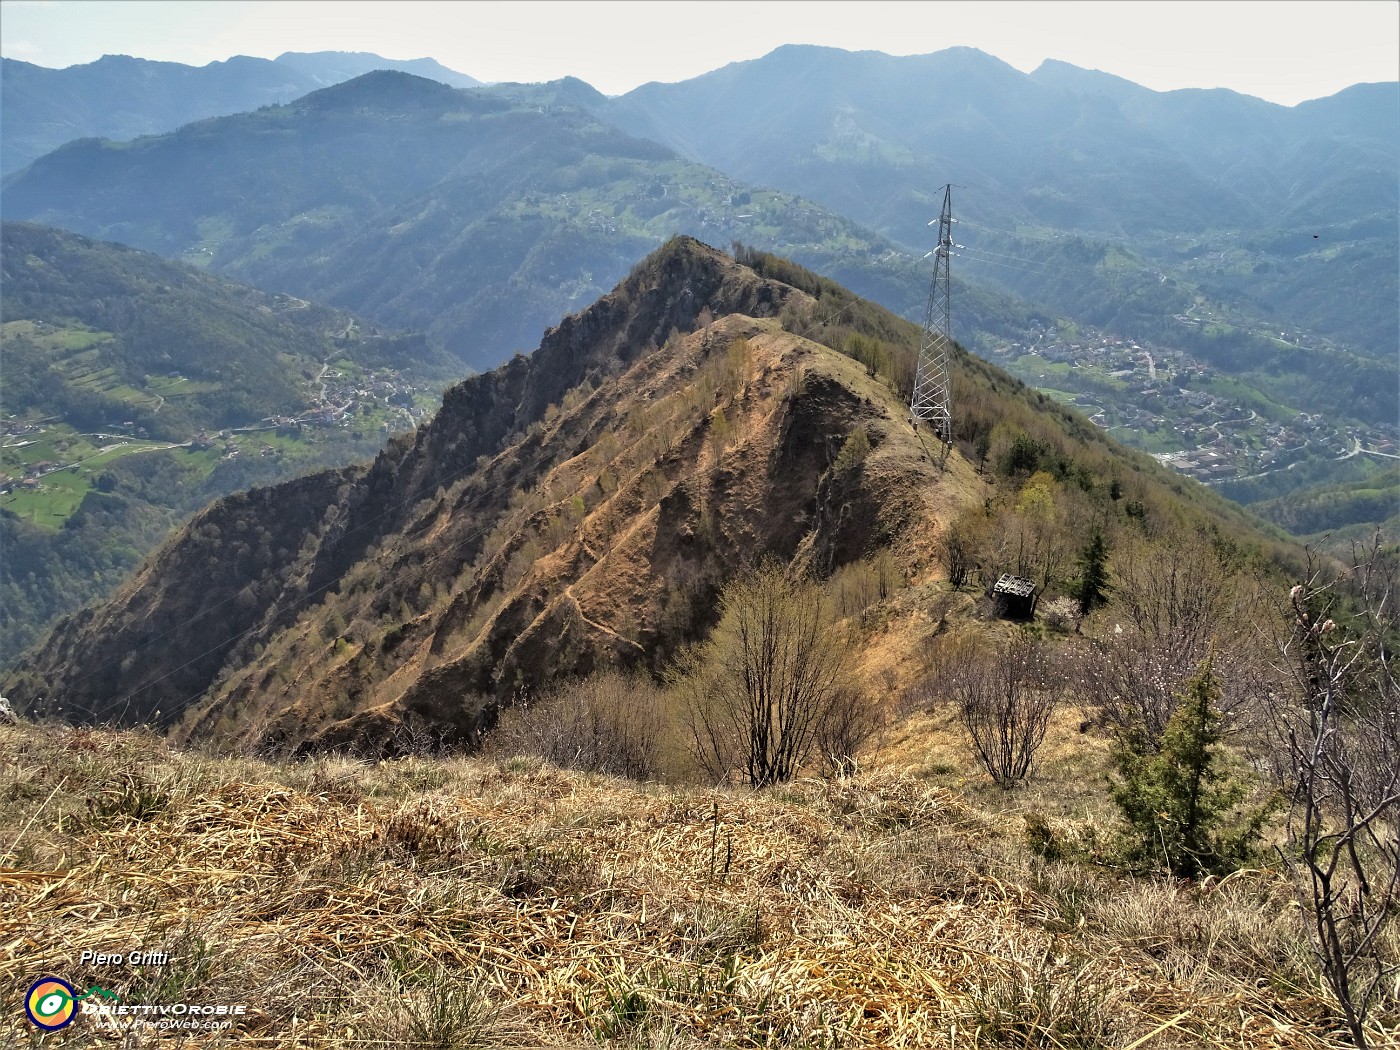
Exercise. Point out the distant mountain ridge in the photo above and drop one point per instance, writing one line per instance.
(333, 67)
(983, 121)
(1280, 210)
(474, 217)
(1286, 210)
(120, 97)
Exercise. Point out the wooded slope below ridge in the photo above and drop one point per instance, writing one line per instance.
(580, 508)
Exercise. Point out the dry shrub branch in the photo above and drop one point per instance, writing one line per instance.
(1004, 696)
(609, 722)
(774, 681)
(1338, 719)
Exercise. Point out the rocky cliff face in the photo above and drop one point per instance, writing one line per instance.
(579, 507)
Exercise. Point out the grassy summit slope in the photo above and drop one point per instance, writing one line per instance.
(507, 904)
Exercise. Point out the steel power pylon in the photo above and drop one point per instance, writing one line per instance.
(933, 399)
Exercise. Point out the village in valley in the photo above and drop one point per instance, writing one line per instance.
(46, 465)
(1180, 409)
(1156, 398)
(346, 396)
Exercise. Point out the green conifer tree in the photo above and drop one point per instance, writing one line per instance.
(1177, 801)
(1091, 589)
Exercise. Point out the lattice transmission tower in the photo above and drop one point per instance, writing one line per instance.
(933, 398)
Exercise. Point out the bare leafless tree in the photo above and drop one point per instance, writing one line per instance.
(774, 678)
(851, 722)
(955, 551)
(1173, 603)
(1339, 722)
(415, 735)
(1004, 696)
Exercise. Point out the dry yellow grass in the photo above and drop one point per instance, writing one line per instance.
(471, 902)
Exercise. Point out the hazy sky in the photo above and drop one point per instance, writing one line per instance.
(1281, 51)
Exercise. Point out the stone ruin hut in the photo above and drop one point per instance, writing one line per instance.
(1014, 597)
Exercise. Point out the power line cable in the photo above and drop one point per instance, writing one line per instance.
(1007, 265)
(1012, 258)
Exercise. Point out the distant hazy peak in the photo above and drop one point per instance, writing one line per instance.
(334, 66)
(790, 55)
(573, 86)
(131, 62)
(567, 91)
(1055, 73)
(824, 50)
(121, 97)
(790, 62)
(382, 87)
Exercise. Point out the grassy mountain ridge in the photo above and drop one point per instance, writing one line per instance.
(478, 419)
(576, 509)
